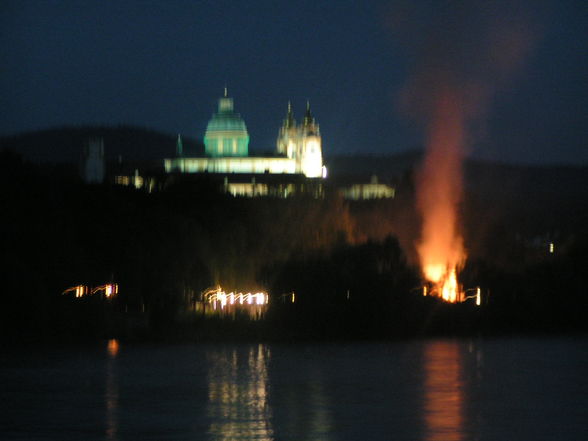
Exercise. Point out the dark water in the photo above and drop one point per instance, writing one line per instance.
(450, 390)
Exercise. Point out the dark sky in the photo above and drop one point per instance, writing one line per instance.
(163, 64)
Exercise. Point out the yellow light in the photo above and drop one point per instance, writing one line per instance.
(293, 297)
(444, 283)
(478, 297)
(218, 295)
(435, 272)
(425, 290)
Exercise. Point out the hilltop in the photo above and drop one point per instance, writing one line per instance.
(65, 144)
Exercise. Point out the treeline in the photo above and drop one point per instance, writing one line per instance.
(163, 249)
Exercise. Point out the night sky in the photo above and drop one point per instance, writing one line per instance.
(163, 64)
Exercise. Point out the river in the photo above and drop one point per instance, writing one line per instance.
(499, 389)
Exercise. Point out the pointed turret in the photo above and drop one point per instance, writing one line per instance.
(289, 122)
(310, 126)
(310, 150)
(308, 119)
(286, 144)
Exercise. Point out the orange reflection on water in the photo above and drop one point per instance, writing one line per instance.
(112, 347)
(111, 392)
(443, 400)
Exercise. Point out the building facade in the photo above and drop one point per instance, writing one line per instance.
(226, 134)
(226, 142)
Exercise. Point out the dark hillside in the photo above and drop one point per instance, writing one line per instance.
(65, 144)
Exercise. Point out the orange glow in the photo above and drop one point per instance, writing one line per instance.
(112, 347)
(443, 400)
(440, 249)
(109, 290)
(79, 290)
(446, 287)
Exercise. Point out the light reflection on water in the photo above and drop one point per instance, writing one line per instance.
(451, 390)
(443, 391)
(238, 394)
(111, 391)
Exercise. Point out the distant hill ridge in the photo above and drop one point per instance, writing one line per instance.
(65, 144)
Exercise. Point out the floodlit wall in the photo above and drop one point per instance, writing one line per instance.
(250, 165)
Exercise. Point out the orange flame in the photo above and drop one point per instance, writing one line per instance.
(440, 249)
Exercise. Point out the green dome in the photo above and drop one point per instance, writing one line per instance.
(226, 133)
(226, 121)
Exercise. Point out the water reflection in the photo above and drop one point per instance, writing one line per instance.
(302, 403)
(112, 347)
(111, 392)
(443, 392)
(238, 394)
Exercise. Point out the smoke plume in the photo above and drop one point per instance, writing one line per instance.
(461, 52)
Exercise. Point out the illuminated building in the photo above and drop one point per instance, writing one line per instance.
(226, 141)
(371, 190)
(226, 134)
(216, 301)
(136, 181)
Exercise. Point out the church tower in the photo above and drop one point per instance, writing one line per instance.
(311, 158)
(226, 133)
(288, 136)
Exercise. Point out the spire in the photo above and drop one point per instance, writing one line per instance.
(289, 121)
(308, 119)
(225, 104)
(179, 147)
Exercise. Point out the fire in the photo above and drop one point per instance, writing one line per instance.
(457, 68)
(445, 285)
(440, 249)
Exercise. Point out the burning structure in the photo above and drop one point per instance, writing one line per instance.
(441, 251)
(468, 51)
